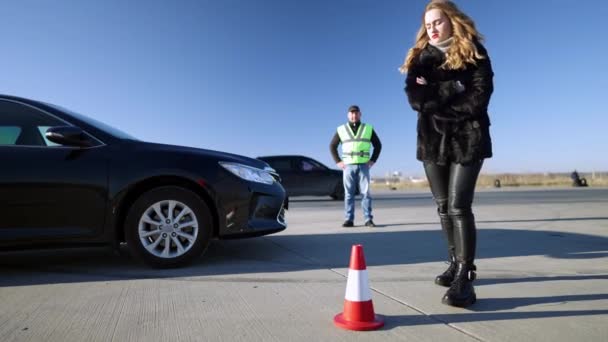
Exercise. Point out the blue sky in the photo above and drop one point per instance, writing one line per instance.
(277, 76)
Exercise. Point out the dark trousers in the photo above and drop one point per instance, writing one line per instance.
(453, 187)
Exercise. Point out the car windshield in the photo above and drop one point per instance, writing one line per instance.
(100, 125)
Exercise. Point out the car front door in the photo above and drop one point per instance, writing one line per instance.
(314, 177)
(284, 166)
(47, 191)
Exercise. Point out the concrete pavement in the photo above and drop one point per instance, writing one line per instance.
(543, 276)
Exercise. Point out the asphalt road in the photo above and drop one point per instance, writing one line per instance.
(542, 261)
(484, 197)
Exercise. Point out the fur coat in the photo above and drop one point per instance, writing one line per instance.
(453, 123)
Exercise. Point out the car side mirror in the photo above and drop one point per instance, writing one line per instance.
(68, 136)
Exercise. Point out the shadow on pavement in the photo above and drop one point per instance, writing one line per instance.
(531, 279)
(415, 320)
(499, 304)
(290, 253)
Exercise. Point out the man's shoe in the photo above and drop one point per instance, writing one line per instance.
(370, 223)
(348, 224)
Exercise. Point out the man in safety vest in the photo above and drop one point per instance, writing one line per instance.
(357, 139)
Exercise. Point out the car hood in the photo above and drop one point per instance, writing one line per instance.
(218, 155)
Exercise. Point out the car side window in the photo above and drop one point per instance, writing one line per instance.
(308, 165)
(280, 165)
(21, 125)
(42, 130)
(9, 134)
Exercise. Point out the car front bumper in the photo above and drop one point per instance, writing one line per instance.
(249, 209)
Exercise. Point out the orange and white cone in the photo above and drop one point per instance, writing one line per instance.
(358, 307)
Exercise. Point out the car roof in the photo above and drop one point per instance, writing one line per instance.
(17, 98)
(284, 156)
(54, 110)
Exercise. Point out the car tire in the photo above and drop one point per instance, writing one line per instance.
(168, 227)
(338, 194)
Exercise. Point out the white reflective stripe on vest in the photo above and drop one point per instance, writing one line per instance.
(357, 286)
(345, 133)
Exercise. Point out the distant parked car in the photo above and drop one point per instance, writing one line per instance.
(69, 180)
(304, 176)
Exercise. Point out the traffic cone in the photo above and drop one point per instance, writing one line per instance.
(358, 307)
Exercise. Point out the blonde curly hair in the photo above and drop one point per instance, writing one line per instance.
(462, 50)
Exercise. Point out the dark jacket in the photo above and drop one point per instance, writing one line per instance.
(452, 126)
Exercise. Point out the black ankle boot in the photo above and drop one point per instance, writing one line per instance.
(461, 293)
(445, 279)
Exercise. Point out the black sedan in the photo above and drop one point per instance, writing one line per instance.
(304, 176)
(66, 180)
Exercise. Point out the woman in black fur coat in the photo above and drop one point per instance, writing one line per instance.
(449, 84)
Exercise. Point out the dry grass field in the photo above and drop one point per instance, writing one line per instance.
(596, 179)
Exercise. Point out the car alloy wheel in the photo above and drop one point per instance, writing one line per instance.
(168, 226)
(168, 229)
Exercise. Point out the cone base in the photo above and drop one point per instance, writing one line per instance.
(340, 322)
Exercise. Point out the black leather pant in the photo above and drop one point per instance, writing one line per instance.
(453, 187)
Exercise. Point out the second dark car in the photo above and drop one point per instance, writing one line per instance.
(304, 176)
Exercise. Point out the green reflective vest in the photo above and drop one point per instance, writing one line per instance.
(356, 148)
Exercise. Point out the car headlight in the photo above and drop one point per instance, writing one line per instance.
(249, 173)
